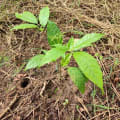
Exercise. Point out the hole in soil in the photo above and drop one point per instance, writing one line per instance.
(24, 83)
(42, 52)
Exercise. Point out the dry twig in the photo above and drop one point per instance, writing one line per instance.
(9, 107)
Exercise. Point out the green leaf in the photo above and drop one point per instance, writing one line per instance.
(78, 78)
(54, 35)
(70, 43)
(3, 60)
(77, 32)
(27, 16)
(65, 61)
(86, 40)
(90, 68)
(53, 54)
(34, 62)
(24, 26)
(44, 16)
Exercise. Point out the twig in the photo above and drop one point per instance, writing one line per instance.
(81, 102)
(7, 117)
(116, 92)
(5, 72)
(43, 88)
(82, 115)
(9, 107)
(32, 111)
(98, 115)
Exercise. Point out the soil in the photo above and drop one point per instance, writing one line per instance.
(48, 93)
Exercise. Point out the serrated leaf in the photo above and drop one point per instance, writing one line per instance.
(90, 67)
(65, 61)
(53, 54)
(86, 40)
(78, 78)
(24, 26)
(54, 35)
(27, 16)
(44, 16)
(34, 62)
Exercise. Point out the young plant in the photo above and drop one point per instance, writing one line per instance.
(33, 22)
(88, 68)
(54, 35)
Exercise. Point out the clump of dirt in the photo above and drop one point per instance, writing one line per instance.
(47, 93)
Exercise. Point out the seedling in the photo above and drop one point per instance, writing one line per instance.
(88, 67)
(32, 20)
(77, 107)
(55, 91)
(66, 102)
(54, 35)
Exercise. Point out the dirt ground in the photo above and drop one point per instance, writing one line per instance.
(44, 94)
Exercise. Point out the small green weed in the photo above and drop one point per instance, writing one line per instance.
(66, 102)
(33, 22)
(88, 67)
(3, 60)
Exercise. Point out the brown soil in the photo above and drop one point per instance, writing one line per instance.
(40, 94)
